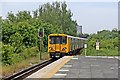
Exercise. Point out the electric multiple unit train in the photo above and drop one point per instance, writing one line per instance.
(62, 44)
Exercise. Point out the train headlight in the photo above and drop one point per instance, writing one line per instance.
(50, 48)
(64, 48)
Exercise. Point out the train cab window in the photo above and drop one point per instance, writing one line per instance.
(55, 40)
(58, 39)
(64, 40)
(52, 40)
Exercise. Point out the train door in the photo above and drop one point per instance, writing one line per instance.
(58, 43)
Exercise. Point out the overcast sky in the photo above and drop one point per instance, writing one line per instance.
(93, 15)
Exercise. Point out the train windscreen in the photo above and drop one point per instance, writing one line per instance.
(58, 39)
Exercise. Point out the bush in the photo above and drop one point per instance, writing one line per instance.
(7, 52)
(9, 57)
(30, 52)
(16, 58)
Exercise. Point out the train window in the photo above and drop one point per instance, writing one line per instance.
(52, 40)
(64, 40)
(58, 40)
(55, 40)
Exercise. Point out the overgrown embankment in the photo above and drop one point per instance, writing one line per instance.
(20, 41)
(108, 43)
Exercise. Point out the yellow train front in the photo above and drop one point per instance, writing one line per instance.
(62, 44)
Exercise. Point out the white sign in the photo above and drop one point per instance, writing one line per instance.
(85, 45)
(97, 45)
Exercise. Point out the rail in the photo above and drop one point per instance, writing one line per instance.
(28, 71)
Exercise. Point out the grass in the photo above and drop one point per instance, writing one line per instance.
(101, 52)
(6, 70)
(0, 70)
(10, 69)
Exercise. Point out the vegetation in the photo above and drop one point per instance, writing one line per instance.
(20, 31)
(20, 41)
(108, 43)
(10, 69)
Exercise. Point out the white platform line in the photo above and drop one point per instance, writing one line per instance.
(74, 58)
(110, 57)
(63, 70)
(112, 68)
(104, 56)
(116, 57)
(67, 66)
(97, 56)
(94, 65)
(58, 74)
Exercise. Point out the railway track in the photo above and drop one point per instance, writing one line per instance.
(26, 72)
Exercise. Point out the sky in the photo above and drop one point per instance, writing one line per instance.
(93, 15)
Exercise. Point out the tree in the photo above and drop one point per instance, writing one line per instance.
(20, 31)
(108, 39)
(16, 41)
(114, 30)
(23, 16)
(0, 29)
(57, 14)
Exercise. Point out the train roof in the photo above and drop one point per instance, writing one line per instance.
(77, 37)
(68, 36)
(57, 34)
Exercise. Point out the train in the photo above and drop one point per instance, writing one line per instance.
(60, 45)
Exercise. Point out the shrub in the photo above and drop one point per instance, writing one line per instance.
(7, 52)
(30, 52)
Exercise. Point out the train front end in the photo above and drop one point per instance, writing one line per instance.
(57, 45)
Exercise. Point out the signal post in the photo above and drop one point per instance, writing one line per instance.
(40, 35)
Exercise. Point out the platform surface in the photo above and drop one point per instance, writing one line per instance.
(89, 67)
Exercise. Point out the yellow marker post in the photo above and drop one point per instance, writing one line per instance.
(97, 46)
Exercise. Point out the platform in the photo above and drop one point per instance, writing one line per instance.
(80, 67)
(89, 67)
